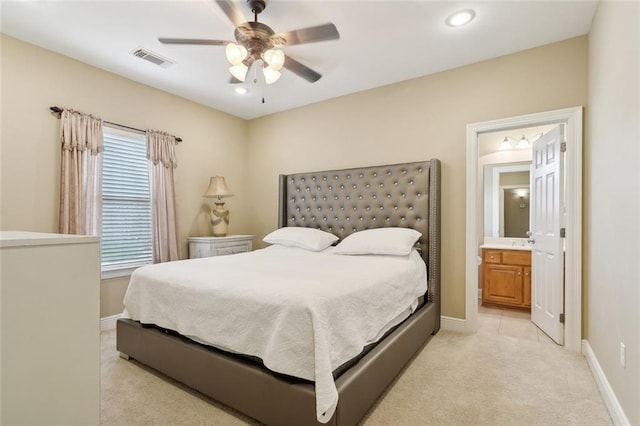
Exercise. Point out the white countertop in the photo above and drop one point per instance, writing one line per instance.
(506, 244)
(513, 246)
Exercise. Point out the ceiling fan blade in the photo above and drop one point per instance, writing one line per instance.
(233, 13)
(309, 35)
(234, 80)
(301, 70)
(198, 41)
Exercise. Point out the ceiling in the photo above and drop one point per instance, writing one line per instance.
(381, 42)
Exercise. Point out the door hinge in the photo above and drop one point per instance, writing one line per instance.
(563, 232)
(561, 318)
(563, 147)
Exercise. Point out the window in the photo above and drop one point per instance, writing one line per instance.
(126, 202)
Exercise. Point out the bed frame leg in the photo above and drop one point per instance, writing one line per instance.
(124, 356)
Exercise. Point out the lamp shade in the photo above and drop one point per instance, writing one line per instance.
(506, 144)
(217, 188)
(270, 75)
(274, 58)
(239, 71)
(523, 143)
(235, 53)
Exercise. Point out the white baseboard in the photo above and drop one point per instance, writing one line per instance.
(611, 401)
(452, 324)
(108, 323)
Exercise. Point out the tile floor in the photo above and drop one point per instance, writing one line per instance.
(510, 322)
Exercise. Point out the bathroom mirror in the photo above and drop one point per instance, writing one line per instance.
(506, 200)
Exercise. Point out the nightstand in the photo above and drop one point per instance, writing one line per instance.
(219, 246)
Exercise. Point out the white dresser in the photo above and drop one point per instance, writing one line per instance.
(49, 329)
(219, 246)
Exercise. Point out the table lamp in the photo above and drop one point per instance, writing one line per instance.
(219, 215)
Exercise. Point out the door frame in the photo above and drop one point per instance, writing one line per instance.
(572, 118)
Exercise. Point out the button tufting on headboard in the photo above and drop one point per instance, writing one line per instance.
(346, 201)
(367, 197)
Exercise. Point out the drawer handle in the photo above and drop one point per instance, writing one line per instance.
(519, 273)
(491, 257)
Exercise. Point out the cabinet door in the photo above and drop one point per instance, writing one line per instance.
(503, 284)
(527, 286)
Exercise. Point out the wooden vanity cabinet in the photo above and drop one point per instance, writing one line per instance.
(506, 278)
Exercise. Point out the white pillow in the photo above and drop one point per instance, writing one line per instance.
(306, 238)
(387, 241)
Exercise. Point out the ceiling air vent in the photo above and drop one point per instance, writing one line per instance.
(154, 58)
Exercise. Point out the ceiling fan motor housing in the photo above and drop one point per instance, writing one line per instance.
(255, 37)
(256, 6)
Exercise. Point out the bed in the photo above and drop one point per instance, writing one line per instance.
(341, 202)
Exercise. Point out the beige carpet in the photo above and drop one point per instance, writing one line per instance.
(481, 379)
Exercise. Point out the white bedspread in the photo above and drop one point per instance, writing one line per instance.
(303, 313)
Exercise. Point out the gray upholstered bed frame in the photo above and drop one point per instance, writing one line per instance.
(341, 202)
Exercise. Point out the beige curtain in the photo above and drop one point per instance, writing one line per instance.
(162, 162)
(80, 174)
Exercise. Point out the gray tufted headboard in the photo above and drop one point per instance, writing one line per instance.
(345, 201)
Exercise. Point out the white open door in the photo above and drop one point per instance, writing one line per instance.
(547, 293)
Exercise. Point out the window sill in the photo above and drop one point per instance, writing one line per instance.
(118, 273)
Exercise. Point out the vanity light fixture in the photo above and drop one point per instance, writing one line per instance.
(461, 18)
(523, 143)
(510, 143)
(506, 143)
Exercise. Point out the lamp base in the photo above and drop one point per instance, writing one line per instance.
(219, 220)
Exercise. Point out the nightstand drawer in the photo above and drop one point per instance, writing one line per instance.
(219, 246)
(232, 250)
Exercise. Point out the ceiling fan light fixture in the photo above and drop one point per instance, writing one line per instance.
(235, 53)
(239, 71)
(270, 75)
(256, 41)
(274, 58)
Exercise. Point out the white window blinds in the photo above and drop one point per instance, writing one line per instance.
(126, 201)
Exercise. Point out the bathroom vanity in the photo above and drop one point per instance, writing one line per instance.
(506, 276)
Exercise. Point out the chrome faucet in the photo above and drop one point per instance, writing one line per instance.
(529, 239)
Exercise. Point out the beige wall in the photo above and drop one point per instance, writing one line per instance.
(415, 120)
(612, 199)
(514, 178)
(33, 79)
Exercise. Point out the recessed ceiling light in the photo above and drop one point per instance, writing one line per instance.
(240, 90)
(461, 18)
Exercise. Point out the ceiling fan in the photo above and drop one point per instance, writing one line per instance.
(256, 41)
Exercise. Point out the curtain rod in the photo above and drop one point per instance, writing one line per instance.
(58, 110)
